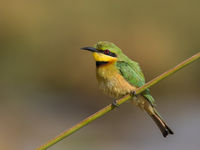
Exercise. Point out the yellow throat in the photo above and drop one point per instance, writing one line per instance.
(103, 57)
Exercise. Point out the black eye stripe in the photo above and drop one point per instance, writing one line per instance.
(113, 54)
(107, 52)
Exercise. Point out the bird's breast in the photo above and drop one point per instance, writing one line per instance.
(112, 82)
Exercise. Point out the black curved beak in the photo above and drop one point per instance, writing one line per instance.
(91, 49)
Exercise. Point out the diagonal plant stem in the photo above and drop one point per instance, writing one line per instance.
(120, 101)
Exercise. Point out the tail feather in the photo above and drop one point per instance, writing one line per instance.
(147, 105)
(161, 124)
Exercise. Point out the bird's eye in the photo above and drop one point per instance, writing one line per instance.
(107, 52)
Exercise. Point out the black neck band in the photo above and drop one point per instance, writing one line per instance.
(100, 63)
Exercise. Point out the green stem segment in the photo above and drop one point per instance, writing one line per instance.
(167, 73)
(108, 108)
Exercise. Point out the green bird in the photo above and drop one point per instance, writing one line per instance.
(118, 76)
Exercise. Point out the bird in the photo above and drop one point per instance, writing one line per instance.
(118, 76)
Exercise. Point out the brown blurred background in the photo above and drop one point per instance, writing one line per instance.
(48, 84)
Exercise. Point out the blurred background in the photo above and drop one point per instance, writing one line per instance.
(48, 84)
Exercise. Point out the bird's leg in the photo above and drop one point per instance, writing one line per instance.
(114, 104)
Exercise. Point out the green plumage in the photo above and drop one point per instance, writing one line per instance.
(132, 73)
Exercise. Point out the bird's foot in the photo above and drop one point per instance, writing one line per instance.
(133, 94)
(114, 104)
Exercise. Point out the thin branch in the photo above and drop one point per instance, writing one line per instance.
(108, 108)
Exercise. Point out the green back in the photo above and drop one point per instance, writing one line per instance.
(131, 71)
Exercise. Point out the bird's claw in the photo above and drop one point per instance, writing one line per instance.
(133, 94)
(114, 104)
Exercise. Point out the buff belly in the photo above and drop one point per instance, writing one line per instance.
(111, 82)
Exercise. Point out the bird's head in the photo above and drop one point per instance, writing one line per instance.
(104, 51)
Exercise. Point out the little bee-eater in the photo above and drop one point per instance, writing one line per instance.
(118, 75)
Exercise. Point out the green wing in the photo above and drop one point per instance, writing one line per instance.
(133, 74)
